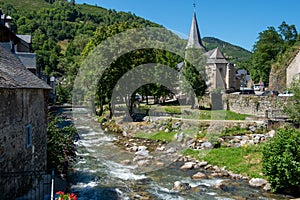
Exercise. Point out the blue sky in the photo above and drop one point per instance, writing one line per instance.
(234, 21)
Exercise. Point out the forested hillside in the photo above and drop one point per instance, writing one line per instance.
(63, 33)
(235, 53)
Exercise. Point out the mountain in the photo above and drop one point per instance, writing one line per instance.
(61, 22)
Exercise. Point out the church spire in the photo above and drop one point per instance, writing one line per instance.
(194, 40)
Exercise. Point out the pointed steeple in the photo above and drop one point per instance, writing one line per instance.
(194, 40)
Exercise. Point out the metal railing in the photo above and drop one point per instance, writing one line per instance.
(28, 185)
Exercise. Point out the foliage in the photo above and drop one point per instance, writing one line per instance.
(60, 143)
(270, 45)
(244, 160)
(281, 160)
(233, 53)
(111, 125)
(292, 108)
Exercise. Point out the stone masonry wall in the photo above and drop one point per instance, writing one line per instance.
(18, 108)
(255, 105)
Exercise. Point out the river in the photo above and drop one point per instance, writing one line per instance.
(98, 174)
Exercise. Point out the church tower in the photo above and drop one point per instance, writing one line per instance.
(194, 40)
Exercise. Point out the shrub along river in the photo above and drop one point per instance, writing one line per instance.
(99, 173)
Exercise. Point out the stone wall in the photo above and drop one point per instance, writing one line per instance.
(255, 105)
(18, 108)
(293, 70)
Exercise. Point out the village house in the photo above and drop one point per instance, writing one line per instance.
(23, 116)
(19, 44)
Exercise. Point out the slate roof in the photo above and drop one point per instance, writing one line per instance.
(215, 56)
(13, 74)
(26, 38)
(194, 40)
(28, 59)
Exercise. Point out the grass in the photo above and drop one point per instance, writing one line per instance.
(236, 130)
(161, 135)
(243, 160)
(186, 112)
(213, 115)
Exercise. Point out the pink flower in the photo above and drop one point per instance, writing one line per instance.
(72, 197)
(59, 192)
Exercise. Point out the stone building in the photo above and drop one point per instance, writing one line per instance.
(219, 72)
(18, 44)
(293, 70)
(23, 121)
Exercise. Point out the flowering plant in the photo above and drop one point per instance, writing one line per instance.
(62, 196)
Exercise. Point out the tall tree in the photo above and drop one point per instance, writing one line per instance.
(265, 52)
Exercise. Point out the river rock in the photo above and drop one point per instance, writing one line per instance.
(179, 136)
(143, 163)
(252, 128)
(267, 187)
(142, 148)
(202, 164)
(142, 152)
(171, 150)
(224, 172)
(160, 164)
(134, 148)
(271, 134)
(188, 165)
(124, 133)
(176, 125)
(179, 186)
(162, 148)
(207, 145)
(199, 175)
(216, 169)
(125, 162)
(257, 182)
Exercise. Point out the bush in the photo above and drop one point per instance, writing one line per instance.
(61, 150)
(281, 161)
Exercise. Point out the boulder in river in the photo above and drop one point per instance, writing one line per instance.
(188, 165)
(179, 186)
(257, 182)
(199, 175)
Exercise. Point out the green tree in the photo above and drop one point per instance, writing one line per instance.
(265, 52)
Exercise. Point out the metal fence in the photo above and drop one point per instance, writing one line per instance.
(28, 185)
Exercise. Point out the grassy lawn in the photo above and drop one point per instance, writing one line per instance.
(161, 135)
(243, 160)
(215, 115)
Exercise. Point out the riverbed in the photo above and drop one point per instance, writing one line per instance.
(99, 173)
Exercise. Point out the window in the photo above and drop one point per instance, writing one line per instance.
(28, 135)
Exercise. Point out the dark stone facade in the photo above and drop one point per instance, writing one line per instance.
(18, 109)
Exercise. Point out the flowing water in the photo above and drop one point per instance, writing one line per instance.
(98, 174)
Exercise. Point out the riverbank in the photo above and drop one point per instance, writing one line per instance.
(158, 144)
